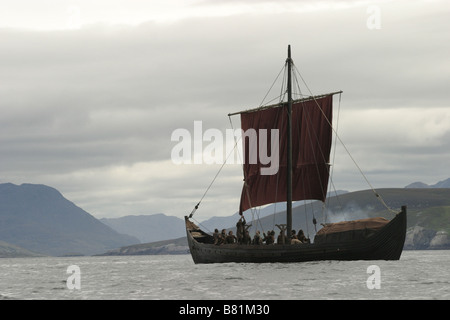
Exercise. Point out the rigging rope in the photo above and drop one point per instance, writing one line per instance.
(348, 152)
(268, 91)
(333, 161)
(214, 179)
(253, 211)
(280, 97)
(309, 124)
(232, 151)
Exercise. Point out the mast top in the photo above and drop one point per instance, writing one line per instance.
(289, 54)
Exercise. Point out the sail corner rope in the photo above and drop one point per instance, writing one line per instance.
(377, 195)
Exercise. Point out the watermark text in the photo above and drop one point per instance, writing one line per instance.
(213, 147)
(74, 280)
(374, 18)
(374, 280)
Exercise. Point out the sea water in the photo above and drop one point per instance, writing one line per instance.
(417, 275)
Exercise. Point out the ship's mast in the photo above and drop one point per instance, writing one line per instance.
(289, 149)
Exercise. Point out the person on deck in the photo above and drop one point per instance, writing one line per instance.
(257, 238)
(281, 238)
(246, 239)
(240, 229)
(216, 236)
(231, 238)
(301, 236)
(293, 235)
(222, 237)
(294, 239)
(270, 238)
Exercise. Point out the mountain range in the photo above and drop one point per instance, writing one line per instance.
(229, 221)
(440, 184)
(37, 220)
(428, 217)
(148, 228)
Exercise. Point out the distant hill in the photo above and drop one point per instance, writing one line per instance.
(148, 228)
(440, 184)
(230, 221)
(428, 219)
(428, 211)
(38, 218)
(423, 205)
(8, 250)
(174, 246)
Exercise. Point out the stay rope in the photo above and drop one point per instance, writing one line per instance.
(378, 196)
(212, 182)
(280, 98)
(337, 137)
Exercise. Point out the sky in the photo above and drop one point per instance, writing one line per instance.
(92, 91)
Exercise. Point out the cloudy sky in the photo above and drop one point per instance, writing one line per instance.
(91, 92)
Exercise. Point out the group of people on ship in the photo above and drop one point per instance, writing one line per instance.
(243, 236)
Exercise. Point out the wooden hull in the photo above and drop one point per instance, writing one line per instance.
(385, 244)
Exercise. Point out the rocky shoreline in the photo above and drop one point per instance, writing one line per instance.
(176, 246)
(419, 238)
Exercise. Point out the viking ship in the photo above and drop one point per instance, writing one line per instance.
(303, 172)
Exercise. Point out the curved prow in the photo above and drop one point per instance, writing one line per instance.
(197, 234)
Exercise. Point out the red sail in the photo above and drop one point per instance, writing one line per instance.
(311, 145)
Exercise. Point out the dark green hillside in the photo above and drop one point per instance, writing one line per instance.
(435, 218)
(428, 208)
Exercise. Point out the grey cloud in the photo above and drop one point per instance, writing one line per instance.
(102, 96)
